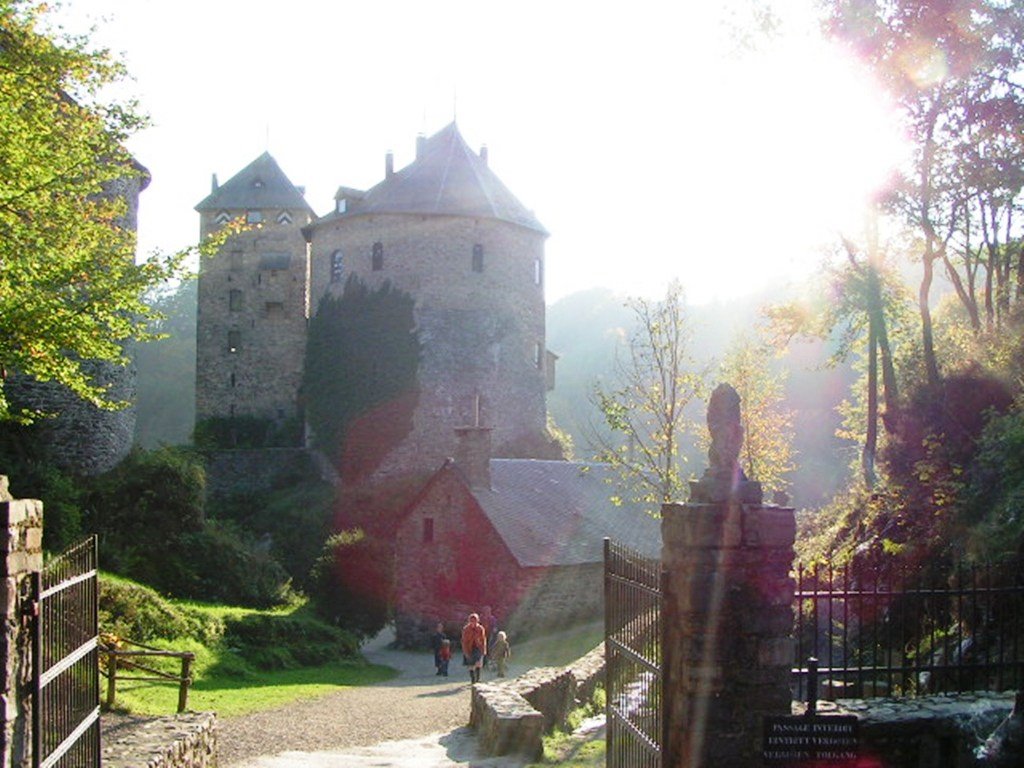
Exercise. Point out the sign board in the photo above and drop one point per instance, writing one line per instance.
(805, 740)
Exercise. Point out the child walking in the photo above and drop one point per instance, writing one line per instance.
(444, 655)
(500, 652)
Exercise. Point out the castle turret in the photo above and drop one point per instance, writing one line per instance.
(253, 297)
(447, 231)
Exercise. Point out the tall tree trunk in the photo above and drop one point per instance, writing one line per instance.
(871, 435)
(931, 363)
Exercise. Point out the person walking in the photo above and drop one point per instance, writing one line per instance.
(445, 654)
(499, 652)
(436, 641)
(474, 646)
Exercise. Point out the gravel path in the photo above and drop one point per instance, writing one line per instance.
(415, 719)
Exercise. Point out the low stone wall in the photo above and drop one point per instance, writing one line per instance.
(511, 716)
(939, 731)
(188, 740)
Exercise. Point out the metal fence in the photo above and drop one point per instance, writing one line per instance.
(65, 668)
(898, 636)
(633, 653)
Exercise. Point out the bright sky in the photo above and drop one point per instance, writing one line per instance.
(648, 141)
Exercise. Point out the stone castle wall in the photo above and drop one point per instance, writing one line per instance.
(79, 437)
(482, 331)
(251, 329)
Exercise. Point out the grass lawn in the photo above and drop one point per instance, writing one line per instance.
(233, 695)
(248, 660)
(224, 677)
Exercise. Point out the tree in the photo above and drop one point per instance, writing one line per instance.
(646, 411)
(952, 68)
(70, 290)
(767, 452)
(359, 378)
(864, 303)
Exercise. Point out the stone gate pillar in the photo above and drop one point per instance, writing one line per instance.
(727, 610)
(22, 555)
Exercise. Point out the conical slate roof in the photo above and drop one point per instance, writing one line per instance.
(447, 178)
(261, 184)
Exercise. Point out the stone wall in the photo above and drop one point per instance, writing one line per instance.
(255, 470)
(22, 520)
(727, 620)
(188, 740)
(511, 716)
(251, 320)
(480, 331)
(81, 438)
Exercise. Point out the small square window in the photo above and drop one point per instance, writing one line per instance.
(275, 310)
(478, 258)
(253, 217)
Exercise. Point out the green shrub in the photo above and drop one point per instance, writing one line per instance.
(226, 432)
(351, 580)
(271, 642)
(136, 612)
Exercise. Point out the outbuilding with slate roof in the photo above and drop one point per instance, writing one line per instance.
(522, 536)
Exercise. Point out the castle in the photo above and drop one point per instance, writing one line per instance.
(445, 230)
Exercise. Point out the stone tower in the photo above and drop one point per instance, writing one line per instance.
(447, 231)
(253, 298)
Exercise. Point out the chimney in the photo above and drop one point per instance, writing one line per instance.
(473, 451)
(214, 184)
(421, 144)
(389, 164)
(483, 153)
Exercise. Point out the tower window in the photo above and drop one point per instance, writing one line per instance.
(275, 310)
(222, 217)
(234, 341)
(538, 272)
(538, 355)
(233, 379)
(478, 258)
(428, 530)
(235, 260)
(235, 300)
(284, 217)
(377, 260)
(253, 217)
(337, 267)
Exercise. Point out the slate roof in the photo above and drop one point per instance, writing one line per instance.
(558, 512)
(447, 178)
(260, 185)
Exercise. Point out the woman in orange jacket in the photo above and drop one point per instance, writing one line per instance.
(474, 646)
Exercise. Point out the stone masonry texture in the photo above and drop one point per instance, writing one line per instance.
(727, 614)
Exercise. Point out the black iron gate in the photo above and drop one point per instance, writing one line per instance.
(65, 663)
(633, 648)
